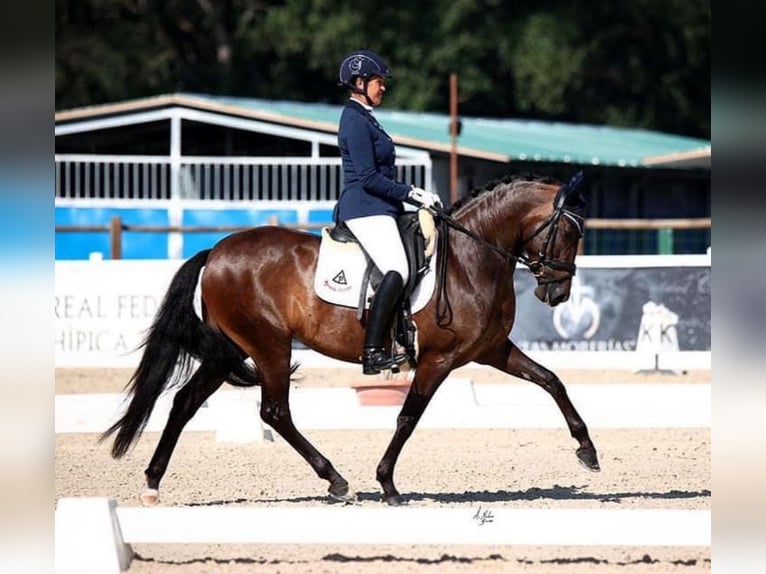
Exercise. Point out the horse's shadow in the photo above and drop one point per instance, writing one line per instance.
(554, 493)
(485, 496)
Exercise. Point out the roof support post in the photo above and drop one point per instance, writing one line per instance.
(175, 211)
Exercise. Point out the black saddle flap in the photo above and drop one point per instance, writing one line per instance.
(340, 232)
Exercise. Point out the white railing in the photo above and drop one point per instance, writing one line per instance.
(119, 177)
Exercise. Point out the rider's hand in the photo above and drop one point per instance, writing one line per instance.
(424, 198)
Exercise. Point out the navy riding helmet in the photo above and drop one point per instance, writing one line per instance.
(363, 64)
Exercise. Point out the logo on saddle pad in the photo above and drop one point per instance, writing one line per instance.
(339, 282)
(343, 287)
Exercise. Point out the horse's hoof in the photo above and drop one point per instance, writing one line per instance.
(588, 459)
(395, 500)
(150, 497)
(349, 498)
(341, 493)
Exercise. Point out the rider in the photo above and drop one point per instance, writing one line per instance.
(371, 197)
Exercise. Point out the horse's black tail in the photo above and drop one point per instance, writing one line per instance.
(176, 337)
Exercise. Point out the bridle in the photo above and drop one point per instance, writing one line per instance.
(538, 264)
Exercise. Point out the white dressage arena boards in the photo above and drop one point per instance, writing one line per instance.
(457, 404)
(93, 535)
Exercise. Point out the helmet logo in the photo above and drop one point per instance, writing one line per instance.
(355, 64)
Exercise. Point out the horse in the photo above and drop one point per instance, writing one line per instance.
(257, 298)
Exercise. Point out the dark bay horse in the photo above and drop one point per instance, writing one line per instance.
(257, 296)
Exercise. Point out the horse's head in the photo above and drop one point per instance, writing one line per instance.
(551, 246)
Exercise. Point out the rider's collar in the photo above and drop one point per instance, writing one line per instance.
(365, 106)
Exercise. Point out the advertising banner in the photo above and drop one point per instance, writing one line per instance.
(103, 308)
(618, 309)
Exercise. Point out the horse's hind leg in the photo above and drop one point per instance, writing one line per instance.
(186, 402)
(275, 411)
(513, 361)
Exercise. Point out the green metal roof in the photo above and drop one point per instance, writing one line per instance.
(493, 139)
(508, 139)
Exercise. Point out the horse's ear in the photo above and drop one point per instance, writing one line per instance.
(570, 194)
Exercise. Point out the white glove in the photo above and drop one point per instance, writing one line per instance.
(424, 198)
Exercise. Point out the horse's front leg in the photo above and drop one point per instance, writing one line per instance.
(427, 380)
(510, 359)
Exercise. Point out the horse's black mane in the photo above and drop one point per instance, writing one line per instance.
(489, 186)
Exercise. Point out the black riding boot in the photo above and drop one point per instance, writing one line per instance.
(384, 303)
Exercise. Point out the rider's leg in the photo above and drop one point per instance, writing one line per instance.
(386, 300)
(379, 236)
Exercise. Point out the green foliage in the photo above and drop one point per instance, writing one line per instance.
(547, 64)
(644, 63)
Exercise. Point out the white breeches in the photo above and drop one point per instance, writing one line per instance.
(379, 236)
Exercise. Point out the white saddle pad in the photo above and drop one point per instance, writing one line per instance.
(340, 271)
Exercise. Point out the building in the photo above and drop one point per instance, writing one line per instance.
(185, 160)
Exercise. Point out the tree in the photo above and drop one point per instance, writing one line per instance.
(641, 64)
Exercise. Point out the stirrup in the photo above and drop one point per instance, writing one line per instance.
(404, 356)
(376, 359)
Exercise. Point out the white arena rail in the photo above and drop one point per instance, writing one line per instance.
(234, 415)
(93, 535)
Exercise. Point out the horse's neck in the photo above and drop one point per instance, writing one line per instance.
(498, 218)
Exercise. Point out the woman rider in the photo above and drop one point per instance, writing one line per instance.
(371, 198)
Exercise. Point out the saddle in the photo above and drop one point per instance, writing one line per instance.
(418, 233)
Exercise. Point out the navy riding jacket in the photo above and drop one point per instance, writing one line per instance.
(368, 155)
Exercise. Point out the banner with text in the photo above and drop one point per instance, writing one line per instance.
(104, 308)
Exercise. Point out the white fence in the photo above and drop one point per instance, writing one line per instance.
(120, 177)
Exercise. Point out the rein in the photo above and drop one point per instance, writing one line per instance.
(451, 222)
